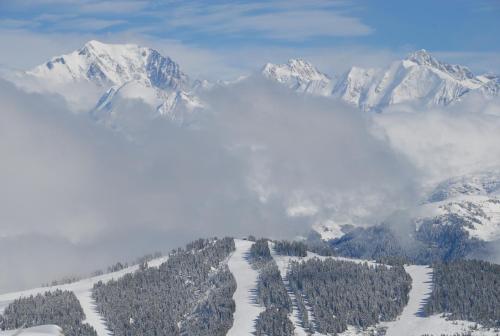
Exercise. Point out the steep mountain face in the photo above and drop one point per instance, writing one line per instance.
(105, 78)
(120, 75)
(420, 78)
(113, 64)
(300, 76)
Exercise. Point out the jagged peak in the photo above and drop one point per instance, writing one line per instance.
(96, 48)
(424, 58)
(296, 67)
(114, 64)
(299, 62)
(94, 44)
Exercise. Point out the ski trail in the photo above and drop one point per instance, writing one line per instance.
(283, 263)
(411, 317)
(82, 290)
(246, 277)
(92, 317)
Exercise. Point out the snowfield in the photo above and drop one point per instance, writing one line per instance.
(46, 330)
(412, 316)
(82, 290)
(247, 310)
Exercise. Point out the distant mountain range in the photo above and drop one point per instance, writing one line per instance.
(419, 78)
(100, 78)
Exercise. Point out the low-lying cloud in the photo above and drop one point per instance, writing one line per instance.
(443, 142)
(262, 161)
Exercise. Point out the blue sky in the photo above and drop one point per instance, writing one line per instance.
(229, 37)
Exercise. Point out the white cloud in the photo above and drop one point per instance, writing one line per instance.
(65, 178)
(457, 140)
(277, 20)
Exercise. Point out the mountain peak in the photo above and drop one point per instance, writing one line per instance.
(94, 44)
(299, 75)
(424, 58)
(295, 67)
(113, 64)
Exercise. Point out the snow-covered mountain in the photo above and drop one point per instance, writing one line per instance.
(419, 78)
(471, 202)
(113, 64)
(300, 76)
(103, 78)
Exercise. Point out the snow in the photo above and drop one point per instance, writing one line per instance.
(411, 317)
(45, 330)
(247, 310)
(92, 317)
(82, 290)
(300, 76)
(418, 78)
(479, 213)
(283, 263)
(100, 78)
(412, 322)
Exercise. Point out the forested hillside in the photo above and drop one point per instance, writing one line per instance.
(271, 293)
(59, 307)
(467, 290)
(342, 293)
(190, 294)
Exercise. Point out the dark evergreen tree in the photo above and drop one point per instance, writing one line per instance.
(190, 294)
(341, 293)
(467, 290)
(271, 293)
(59, 307)
(290, 248)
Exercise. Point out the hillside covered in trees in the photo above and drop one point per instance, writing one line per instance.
(190, 294)
(467, 290)
(60, 307)
(341, 293)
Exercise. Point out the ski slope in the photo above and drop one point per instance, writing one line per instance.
(82, 290)
(283, 263)
(247, 310)
(412, 316)
(412, 322)
(45, 330)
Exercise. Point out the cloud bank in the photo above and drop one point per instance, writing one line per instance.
(263, 161)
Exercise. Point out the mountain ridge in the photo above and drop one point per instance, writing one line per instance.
(419, 77)
(118, 73)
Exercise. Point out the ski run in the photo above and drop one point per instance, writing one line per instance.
(411, 322)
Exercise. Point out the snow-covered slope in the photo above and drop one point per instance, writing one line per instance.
(300, 76)
(82, 290)
(471, 201)
(104, 79)
(420, 78)
(113, 64)
(247, 310)
(45, 330)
